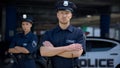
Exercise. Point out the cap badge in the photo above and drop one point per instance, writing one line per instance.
(65, 3)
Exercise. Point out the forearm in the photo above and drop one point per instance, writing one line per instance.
(71, 54)
(51, 51)
(13, 50)
(18, 50)
(23, 50)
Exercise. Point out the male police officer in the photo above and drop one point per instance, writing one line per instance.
(65, 43)
(23, 46)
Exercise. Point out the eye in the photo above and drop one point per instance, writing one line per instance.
(23, 24)
(66, 12)
(27, 24)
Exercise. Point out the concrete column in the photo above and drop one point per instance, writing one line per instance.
(105, 25)
(10, 28)
(3, 23)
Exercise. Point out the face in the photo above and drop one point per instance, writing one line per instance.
(64, 16)
(26, 26)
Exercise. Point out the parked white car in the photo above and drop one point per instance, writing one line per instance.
(101, 53)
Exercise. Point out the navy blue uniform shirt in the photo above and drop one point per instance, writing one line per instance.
(28, 41)
(59, 37)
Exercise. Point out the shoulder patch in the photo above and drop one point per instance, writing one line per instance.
(34, 43)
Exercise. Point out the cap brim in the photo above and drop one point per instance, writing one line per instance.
(65, 9)
(27, 20)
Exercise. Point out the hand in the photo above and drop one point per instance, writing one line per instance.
(79, 46)
(48, 44)
(16, 49)
(74, 47)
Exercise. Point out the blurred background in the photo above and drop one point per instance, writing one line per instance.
(97, 18)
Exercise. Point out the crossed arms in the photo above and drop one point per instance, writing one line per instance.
(70, 51)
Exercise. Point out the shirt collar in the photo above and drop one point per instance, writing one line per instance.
(70, 28)
(27, 35)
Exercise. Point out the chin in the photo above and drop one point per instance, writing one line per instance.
(63, 23)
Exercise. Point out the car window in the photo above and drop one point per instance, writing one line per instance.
(95, 45)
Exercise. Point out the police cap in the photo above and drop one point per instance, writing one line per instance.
(65, 5)
(27, 20)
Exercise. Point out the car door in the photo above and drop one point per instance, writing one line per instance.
(98, 54)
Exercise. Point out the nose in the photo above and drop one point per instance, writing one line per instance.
(64, 15)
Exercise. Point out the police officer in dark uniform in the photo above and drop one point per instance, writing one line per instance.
(65, 43)
(23, 46)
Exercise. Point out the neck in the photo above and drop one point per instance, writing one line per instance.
(64, 26)
(26, 32)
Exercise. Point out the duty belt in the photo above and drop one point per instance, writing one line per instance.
(24, 56)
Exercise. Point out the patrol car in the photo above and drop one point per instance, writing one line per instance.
(101, 53)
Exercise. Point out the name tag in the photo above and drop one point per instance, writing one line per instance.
(70, 41)
(24, 44)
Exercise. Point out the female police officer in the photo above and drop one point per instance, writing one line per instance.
(23, 46)
(65, 43)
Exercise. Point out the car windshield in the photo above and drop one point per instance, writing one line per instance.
(95, 45)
